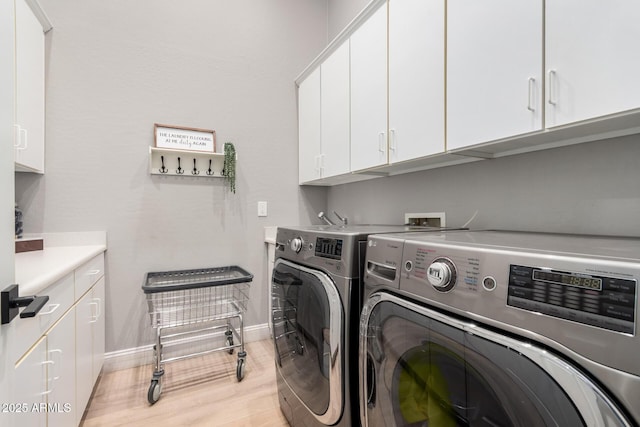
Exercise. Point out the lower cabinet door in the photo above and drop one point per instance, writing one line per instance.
(28, 406)
(84, 350)
(98, 298)
(61, 375)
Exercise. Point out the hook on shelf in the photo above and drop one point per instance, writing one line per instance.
(210, 171)
(195, 170)
(179, 171)
(163, 169)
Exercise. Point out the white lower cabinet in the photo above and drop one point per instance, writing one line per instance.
(56, 357)
(61, 375)
(29, 391)
(44, 379)
(89, 343)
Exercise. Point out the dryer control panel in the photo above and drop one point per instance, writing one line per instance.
(601, 301)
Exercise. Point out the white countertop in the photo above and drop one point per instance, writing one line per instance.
(270, 234)
(62, 253)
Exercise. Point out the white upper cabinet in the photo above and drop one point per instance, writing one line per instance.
(334, 113)
(369, 92)
(494, 69)
(416, 78)
(323, 119)
(29, 58)
(309, 128)
(592, 59)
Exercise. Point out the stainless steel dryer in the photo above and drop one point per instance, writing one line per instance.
(316, 301)
(500, 329)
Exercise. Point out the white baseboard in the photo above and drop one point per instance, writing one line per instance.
(139, 356)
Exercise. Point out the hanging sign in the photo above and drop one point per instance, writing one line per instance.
(183, 138)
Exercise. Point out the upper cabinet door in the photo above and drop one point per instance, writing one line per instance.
(416, 78)
(592, 59)
(309, 128)
(334, 116)
(494, 69)
(29, 92)
(369, 92)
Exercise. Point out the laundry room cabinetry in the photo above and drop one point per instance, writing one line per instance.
(369, 92)
(309, 150)
(55, 357)
(494, 70)
(323, 113)
(416, 79)
(45, 378)
(90, 349)
(592, 62)
(548, 76)
(29, 94)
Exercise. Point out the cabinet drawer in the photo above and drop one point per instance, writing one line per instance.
(88, 274)
(25, 332)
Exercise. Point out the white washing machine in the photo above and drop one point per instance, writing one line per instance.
(493, 328)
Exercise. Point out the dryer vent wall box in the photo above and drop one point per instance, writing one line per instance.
(432, 219)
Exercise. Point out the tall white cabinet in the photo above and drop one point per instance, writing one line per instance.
(323, 119)
(592, 59)
(309, 149)
(416, 78)
(334, 113)
(369, 92)
(494, 70)
(29, 96)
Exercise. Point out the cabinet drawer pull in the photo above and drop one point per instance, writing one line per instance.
(50, 389)
(532, 84)
(97, 312)
(392, 139)
(52, 308)
(57, 352)
(381, 144)
(552, 81)
(93, 272)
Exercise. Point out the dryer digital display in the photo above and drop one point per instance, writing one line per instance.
(328, 248)
(605, 302)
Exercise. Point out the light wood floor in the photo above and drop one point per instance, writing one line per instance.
(201, 391)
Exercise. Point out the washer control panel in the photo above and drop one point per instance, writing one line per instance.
(592, 299)
(442, 274)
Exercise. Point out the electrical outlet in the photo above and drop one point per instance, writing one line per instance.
(262, 208)
(431, 219)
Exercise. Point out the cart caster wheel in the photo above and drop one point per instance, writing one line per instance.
(240, 369)
(154, 391)
(230, 344)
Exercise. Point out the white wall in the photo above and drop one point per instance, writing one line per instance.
(592, 188)
(117, 67)
(340, 13)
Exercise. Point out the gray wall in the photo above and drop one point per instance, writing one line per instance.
(117, 67)
(591, 188)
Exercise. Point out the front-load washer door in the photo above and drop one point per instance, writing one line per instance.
(420, 367)
(308, 325)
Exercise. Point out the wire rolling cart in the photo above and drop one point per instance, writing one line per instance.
(190, 306)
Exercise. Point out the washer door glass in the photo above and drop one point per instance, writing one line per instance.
(307, 323)
(422, 372)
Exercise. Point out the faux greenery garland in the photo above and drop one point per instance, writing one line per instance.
(229, 167)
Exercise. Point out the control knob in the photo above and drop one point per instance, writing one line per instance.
(296, 244)
(442, 274)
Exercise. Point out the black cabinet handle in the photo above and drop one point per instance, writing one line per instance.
(10, 304)
(34, 304)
